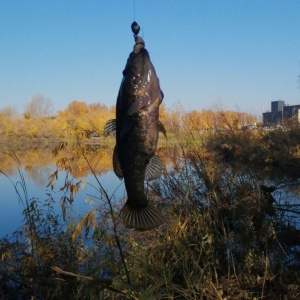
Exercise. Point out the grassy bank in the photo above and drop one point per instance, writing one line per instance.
(232, 210)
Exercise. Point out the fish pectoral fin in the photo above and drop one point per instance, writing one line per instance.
(154, 168)
(142, 219)
(162, 129)
(116, 164)
(110, 128)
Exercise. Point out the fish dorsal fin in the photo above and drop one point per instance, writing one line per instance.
(162, 129)
(154, 169)
(116, 164)
(142, 219)
(110, 128)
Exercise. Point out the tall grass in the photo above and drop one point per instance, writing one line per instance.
(230, 233)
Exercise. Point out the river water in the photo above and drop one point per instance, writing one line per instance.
(86, 199)
(36, 162)
(37, 165)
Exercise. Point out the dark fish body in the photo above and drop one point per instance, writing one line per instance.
(137, 127)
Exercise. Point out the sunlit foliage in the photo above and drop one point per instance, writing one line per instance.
(38, 122)
(229, 197)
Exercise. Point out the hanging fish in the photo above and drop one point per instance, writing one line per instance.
(136, 128)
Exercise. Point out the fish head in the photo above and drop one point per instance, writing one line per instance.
(138, 64)
(140, 81)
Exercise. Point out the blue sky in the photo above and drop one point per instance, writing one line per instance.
(207, 53)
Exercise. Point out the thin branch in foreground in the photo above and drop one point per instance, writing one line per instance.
(107, 283)
(111, 213)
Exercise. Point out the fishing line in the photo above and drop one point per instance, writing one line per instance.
(133, 10)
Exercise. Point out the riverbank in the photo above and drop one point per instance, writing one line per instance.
(232, 228)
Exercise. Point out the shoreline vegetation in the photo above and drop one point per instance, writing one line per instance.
(37, 121)
(230, 197)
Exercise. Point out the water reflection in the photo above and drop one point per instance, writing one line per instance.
(39, 175)
(38, 164)
(85, 200)
(66, 159)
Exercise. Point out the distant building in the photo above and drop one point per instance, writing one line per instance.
(280, 113)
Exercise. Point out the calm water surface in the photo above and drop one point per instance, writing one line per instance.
(39, 165)
(86, 199)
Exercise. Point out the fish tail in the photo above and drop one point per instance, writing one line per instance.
(142, 219)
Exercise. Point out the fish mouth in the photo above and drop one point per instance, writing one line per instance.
(139, 44)
(138, 63)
